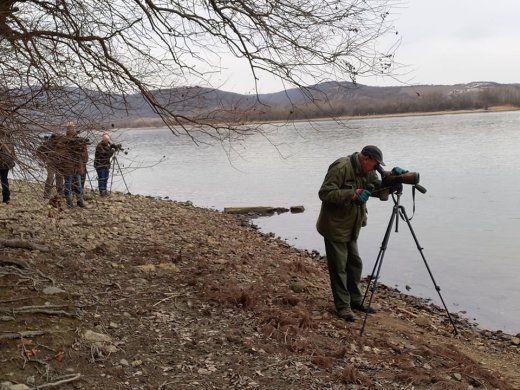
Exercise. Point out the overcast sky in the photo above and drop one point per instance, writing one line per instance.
(443, 42)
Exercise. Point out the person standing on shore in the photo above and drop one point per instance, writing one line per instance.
(49, 157)
(7, 162)
(345, 190)
(104, 152)
(74, 153)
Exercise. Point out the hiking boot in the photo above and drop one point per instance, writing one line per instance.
(81, 203)
(361, 307)
(347, 315)
(69, 202)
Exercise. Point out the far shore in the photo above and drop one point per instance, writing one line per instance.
(144, 123)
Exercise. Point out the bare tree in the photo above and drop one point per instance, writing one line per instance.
(86, 60)
(98, 49)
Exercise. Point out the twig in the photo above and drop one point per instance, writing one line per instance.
(62, 380)
(172, 295)
(407, 312)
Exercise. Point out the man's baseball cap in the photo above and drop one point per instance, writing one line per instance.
(374, 153)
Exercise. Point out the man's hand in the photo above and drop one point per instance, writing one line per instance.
(361, 195)
(398, 171)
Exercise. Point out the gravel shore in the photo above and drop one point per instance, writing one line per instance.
(134, 292)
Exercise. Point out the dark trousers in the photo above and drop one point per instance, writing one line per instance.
(6, 194)
(345, 268)
(102, 178)
(72, 184)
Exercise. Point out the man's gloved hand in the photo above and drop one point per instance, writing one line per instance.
(361, 195)
(398, 171)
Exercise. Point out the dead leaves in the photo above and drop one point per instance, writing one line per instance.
(30, 350)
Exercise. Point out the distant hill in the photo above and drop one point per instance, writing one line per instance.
(330, 99)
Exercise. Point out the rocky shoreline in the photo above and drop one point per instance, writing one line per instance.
(134, 292)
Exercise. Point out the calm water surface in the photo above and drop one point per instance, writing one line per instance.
(468, 222)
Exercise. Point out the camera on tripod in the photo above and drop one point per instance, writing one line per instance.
(391, 182)
(118, 148)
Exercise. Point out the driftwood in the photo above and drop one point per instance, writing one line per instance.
(23, 334)
(262, 210)
(22, 244)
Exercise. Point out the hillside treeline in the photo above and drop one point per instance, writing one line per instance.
(376, 101)
(365, 106)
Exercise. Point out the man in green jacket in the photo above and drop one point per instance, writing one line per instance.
(345, 190)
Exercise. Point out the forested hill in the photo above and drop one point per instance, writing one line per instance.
(331, 99)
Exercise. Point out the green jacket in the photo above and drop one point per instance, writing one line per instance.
(340, 218)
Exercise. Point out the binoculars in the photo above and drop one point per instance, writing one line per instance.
(391, 182)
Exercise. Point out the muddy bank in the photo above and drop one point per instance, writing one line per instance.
(134, 292)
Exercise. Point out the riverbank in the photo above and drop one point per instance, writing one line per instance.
(143, 123)
(134, 292)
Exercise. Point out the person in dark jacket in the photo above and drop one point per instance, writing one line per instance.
(73, 151)
(102, 156)
(344, 193)
(7, 162)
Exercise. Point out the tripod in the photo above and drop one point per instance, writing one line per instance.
(115, 162)
(397, 211)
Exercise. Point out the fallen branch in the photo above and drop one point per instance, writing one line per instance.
(171, 295)
(27, 334)
(22, 244)
(24, 334)
(25, 274)
(45, 309)
(17, 263)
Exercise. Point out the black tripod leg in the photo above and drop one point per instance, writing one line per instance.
(112, 174)
(403, 213)
(372, 283)
(121, 172)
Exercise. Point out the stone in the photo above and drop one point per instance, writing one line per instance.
(53, 290)
(96, 337)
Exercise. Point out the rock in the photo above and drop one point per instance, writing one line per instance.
(423, 320)
(255, 210)
(515, 340)
(297, 287)
(457, 376)
(137, 363)
(108, 349)
(297, 209)
(169, 267)
(11, 386)
(53, 290)
(146, 268)
(96, 337)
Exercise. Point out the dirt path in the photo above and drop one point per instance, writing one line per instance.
(151, 294)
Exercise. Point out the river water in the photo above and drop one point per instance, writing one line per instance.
(468, 222)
